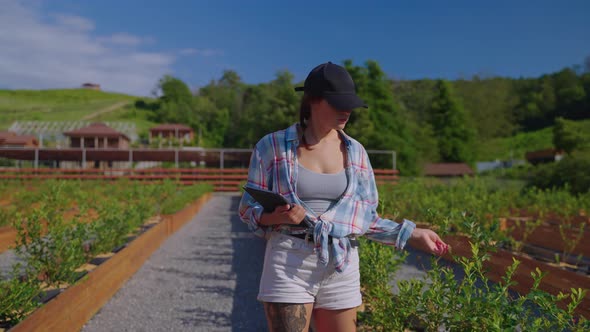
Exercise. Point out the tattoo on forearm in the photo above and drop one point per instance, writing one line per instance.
(286, 317)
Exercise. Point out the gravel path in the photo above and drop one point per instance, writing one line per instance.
(203, 278)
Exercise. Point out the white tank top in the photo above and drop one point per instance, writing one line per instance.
(320, 191)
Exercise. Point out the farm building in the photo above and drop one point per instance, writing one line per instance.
(447, 170)
(12, 140)
(544, 156)
(91, 86)
(180, 132)
(97, 136)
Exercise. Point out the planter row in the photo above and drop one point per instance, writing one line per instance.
(557, 279)
(72, 308)
(547, 235)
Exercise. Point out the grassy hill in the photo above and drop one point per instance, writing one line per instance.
(519, 144)
(69, 105)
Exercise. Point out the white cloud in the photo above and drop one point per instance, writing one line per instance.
(74, 22)
(203, 52)
(41, 51)
(125, 39)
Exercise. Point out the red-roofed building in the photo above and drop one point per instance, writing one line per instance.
(91, 86)
(544, 156)
(12, 140)
(447, 170)
(97, 136)
(4, 135)
(180, 132)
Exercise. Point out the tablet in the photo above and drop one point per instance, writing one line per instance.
(268, 199)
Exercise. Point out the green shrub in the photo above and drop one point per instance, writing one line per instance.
(571, 173)
(451, 303)
(18, 298)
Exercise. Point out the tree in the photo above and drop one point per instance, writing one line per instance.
(567, 135)
(228, 93)
(489, 103)
(174, 90)
(570, 94)
(212, 123)
(415, 98)
(382, 126)
(454, 132)
(175, 104)
(360, 126)
(257, 115)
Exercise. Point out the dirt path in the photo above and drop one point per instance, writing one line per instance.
(111, 108)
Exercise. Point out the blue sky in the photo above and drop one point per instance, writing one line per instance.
(127, 46)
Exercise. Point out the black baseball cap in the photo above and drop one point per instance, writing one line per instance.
(334, 84)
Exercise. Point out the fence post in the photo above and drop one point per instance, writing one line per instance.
(393, 156)
(83, 158)
(176, 157)
(130, 158)
(221, 155)
(36, 158)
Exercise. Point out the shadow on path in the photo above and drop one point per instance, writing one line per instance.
(248, 256)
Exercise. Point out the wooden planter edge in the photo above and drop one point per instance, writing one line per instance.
(73, 308)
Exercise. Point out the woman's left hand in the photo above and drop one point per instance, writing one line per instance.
(428, 241)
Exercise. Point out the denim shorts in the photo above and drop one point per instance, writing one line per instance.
(292, 273)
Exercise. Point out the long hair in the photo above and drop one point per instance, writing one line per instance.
(305, 109)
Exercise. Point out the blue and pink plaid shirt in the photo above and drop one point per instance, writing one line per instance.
(273, 166)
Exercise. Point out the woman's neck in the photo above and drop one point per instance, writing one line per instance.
(315, 134)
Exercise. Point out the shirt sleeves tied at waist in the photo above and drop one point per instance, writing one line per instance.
(339, 249)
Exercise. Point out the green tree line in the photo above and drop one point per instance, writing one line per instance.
(422, 120)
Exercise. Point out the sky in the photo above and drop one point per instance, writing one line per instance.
(128, 45)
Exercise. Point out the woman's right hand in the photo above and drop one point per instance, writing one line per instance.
(428, 241)
(285, 214)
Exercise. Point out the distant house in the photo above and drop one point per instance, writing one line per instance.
(97, 136)
(447, 170)
(91, 86)
(544, 156)
(180, 132)
(12, 140)
(4, 135)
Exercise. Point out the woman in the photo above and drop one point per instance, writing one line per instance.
(311, 262)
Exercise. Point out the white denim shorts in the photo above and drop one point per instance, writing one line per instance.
(292, 273)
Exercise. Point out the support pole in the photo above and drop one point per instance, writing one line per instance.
(130, 159)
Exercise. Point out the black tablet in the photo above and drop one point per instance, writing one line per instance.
(268, 199)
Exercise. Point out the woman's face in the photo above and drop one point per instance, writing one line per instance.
(324, 115)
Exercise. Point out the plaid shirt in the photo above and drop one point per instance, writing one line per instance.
(273, 166)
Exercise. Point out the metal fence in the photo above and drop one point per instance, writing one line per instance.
(185, 157)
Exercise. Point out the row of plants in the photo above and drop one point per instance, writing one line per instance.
(481, 196)
(489, 200)
(442, 301)
(68, 223)
(467, 300)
